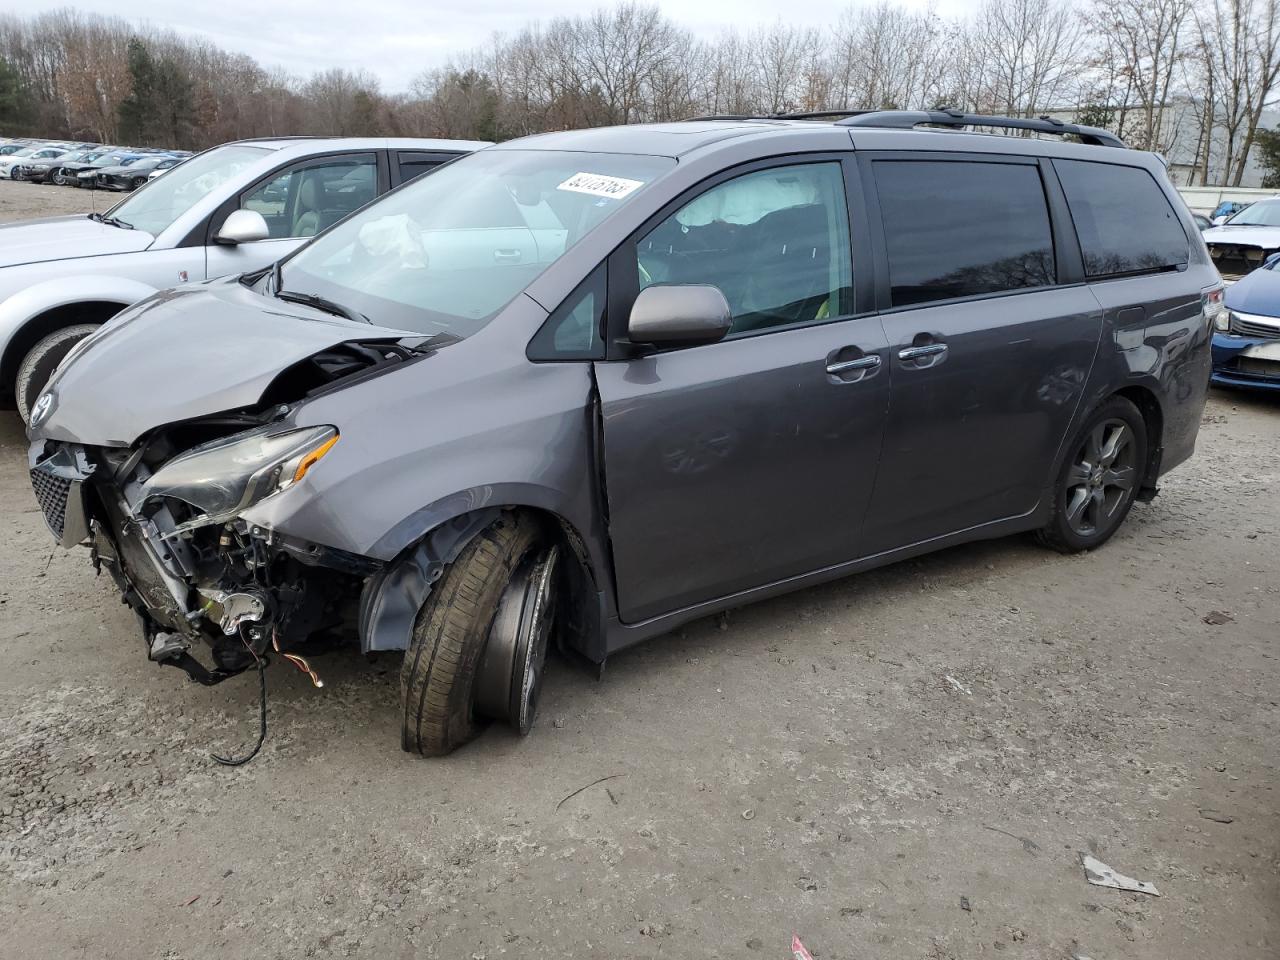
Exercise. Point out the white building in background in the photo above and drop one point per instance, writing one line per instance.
(1184, 153)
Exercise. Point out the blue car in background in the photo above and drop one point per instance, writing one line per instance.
(1246, 338)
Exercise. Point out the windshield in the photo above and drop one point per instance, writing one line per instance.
(1264, 213)
(447, 252)
(167, 198)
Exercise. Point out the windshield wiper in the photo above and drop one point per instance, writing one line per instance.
(323, 303)
(111, 221)
(432, 343)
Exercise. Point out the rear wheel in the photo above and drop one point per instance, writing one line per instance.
(40, 362)
(1099, 480)
(480, 642)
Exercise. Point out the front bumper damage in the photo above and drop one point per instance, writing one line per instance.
(229, 591)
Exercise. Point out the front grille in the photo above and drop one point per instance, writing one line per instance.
(1246, 328)
(51, 494)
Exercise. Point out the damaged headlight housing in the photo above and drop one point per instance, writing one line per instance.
(223, 478)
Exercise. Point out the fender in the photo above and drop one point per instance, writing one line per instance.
(19, 309)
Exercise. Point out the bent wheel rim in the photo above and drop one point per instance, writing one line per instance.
(1101, 479)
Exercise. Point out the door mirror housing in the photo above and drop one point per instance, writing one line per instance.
(243, 226)
(679, 315)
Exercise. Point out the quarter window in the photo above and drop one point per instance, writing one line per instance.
(775, 242)
(1122, 217)
(963, 229)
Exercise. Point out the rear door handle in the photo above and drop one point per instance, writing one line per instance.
(923, 356)
(910, 354)
(847, 366)
(506, 256)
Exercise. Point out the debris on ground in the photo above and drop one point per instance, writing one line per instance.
(964, 904)
(1100, 875)
(798, 951)
(1028, 845)
(748, 814)
(958, 685)
(1217, 816)
(1218, 617)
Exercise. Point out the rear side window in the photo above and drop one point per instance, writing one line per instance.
(1123, 219)
(415, 165)
(956, 228)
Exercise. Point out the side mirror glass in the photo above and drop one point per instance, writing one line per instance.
(243, 226)
(679, 315)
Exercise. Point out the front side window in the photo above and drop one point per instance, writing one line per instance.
(962, 229)
(445, 253)
(157, 207)
(1123, 219)
(308, 198)
(775, 242)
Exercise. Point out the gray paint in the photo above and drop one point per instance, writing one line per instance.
(732, 471)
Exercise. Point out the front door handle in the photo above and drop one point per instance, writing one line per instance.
(923, 356)
(506, 256)
(847, 366)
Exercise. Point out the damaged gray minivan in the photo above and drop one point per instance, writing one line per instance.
(584, 387)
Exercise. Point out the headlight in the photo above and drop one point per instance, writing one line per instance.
(223, 478)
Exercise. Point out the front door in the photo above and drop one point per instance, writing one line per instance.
(740, 463)
(297, 202)
(989, 353)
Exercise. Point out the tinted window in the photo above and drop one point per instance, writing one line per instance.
(961, 229)
(1122, 217)
(776, 243)
(415, 166)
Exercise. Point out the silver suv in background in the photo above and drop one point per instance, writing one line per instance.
(591, 385)
(232, 209)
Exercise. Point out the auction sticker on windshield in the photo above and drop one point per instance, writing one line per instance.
(598, 185)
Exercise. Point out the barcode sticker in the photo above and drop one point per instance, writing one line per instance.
(598, 185)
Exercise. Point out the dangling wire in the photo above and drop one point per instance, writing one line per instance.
(262, 718)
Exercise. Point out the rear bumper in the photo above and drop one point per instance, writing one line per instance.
(1232, 368)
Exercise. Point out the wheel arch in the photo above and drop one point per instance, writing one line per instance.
(391, 599)
(29, 316)
(1148, 403)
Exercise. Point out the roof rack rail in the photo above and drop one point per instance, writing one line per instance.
(947, 117)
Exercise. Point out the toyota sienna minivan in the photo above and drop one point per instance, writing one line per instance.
(584, 387)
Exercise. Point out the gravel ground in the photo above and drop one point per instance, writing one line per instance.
(905, 764)
(23, 201)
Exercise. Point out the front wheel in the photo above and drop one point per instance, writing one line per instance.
(59, 179)
(480, 642)
(1101, 476)
(138, 181)
(38, 365)
(15, 174)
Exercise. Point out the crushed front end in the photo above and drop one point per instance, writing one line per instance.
(215, 594)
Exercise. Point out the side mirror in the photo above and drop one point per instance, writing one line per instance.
(679, 316)
(243, 226)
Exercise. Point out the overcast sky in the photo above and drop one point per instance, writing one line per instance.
(397, 39)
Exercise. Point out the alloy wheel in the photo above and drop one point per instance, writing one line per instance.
(1101, 479)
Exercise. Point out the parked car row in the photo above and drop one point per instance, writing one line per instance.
(588, 386)
(92, 166)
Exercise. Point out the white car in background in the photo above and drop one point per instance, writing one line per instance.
(1246, 239)
(235, 209)
(36, 152)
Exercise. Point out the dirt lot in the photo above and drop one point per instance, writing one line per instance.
(906, 764)
(23, 201)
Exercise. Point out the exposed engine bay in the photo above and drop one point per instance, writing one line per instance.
(195, 575)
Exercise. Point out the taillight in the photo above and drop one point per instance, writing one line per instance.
(1213, 305)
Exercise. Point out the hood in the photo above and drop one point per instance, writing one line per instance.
(1266, 237)
(64, 238)
(113, 171)
(1256, 292)
(186, 353)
